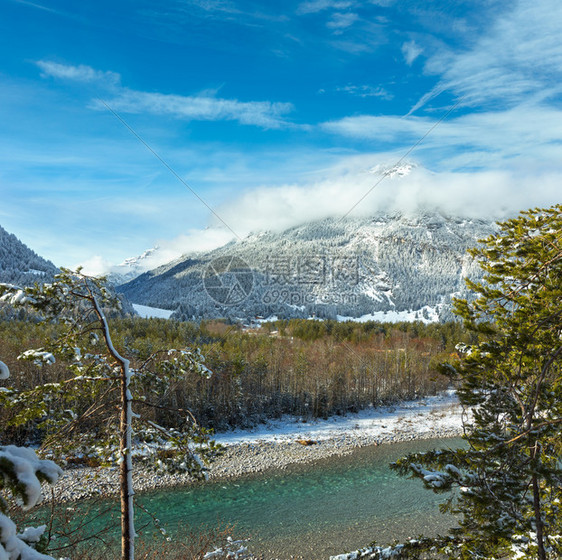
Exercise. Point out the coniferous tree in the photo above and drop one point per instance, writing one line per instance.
(510, 474)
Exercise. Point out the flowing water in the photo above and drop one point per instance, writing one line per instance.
(311, 511)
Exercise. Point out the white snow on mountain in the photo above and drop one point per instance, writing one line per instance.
(388, 267)
(397, 170)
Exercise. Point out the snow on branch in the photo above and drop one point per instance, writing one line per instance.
(22, 472)
(38, 357)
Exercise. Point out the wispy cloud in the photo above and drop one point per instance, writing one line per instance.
(79, 73)
(519, 56)
(36, 5)
(314, 6)
(342, 20)
(204, 107)
(383, 128)
(366, 91)
(411, 51)
(175, 16)
(215, 5)
(489, 138)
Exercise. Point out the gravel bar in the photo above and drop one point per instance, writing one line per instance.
(239, 459)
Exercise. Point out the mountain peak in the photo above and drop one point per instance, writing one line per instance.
(397, 170)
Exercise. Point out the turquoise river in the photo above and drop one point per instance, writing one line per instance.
(309, 511)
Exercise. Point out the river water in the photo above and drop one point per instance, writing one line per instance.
(312, 511)
(308, 511)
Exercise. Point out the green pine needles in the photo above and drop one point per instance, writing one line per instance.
(509, 478)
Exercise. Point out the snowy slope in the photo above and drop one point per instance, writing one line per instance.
(130, 268)
(394, 265)
(151, 312)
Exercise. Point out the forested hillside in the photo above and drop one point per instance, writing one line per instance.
(19, 264)
(353, 267)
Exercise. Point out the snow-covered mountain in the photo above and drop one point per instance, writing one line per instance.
(130, 268)
(398, 170)
(387, 266)
(19, 264)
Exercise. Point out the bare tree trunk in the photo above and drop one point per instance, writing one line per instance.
(126, 491)
(126, 469)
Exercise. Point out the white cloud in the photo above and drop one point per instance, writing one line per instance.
(341, 21)
(208, 108)
(487, 138)
(79, 73)
(411, 51)
(383, 128)
(194, 241)
(491, 194)
(166, 251)
(94, 266)
(205, 106)
(366, 91)
(518, 57)
(215, 5)
(314, 6)
(352, 188)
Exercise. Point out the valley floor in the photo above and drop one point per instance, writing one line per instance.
(279, 443)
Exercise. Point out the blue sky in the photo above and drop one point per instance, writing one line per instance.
(273, 113)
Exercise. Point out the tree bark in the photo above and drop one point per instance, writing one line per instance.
(126, 491)
(126, 469)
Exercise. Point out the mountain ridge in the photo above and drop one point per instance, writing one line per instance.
(22, 266)
(329, 268)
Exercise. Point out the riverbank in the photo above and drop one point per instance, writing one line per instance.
(283, 442)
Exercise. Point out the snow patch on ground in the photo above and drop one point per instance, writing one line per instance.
(147, 312)
(426, 314)
(419, 418)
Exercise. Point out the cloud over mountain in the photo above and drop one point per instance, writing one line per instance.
(356, 189)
